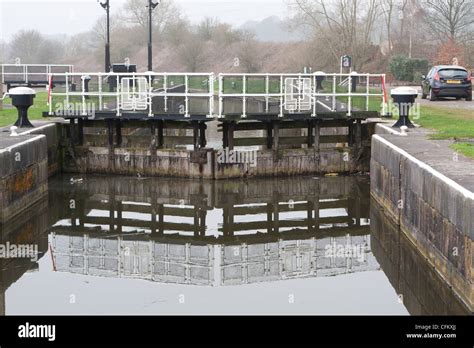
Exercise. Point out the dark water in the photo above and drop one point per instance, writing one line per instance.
(114, 245)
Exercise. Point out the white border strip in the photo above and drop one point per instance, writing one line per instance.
(388, 129)
(468, 194)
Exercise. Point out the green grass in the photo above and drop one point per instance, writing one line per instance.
(467, 149)
(9, 115)
(450, 123)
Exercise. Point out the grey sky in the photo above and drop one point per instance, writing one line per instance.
(54, 17)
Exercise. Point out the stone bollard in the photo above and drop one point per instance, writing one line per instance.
(404, 98)
(22, 99)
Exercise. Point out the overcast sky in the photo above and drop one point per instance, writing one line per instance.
(74, 16)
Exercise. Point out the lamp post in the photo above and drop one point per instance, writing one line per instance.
(151, 6)
(106, 6)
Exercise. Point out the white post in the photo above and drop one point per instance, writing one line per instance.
(211, 95)
(368, 92)
(282, 92)
(165, 87)
(244, 99)
(220, 94)
(186, 99)
(118, 96)
(267, 91)
(349, 99)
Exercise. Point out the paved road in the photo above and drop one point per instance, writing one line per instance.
(445, 102)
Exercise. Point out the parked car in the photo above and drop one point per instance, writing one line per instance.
(446, 81)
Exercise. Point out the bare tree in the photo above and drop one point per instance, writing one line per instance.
(388, 8)
(452, 19)
(31, 47)
(192, 53)
(136, 13)
(249, 57)
(346, 26)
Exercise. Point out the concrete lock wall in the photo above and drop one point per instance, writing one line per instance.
(23, 173)
(206, 164)
(435, 213)
(50, 130)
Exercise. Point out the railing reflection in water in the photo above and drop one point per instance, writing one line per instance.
(212, 233)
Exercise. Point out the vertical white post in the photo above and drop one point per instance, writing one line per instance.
(50, 97)
(282, 92)
(211, 95)
(67, 90)
(334, 81)
(349, 99)
(150, 96)
(100, 92)
(186, 98)
(83, 95)
(165, 88)
(313, 97)
(118, 96)
(368, 92)
(267, 91)
(220, 95)
(244, 99)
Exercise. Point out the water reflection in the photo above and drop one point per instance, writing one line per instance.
(28, 229)
(211, 233)
(421, 289)
(217, 236)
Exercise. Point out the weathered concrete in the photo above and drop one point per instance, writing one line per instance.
(205, 163)
(427, 190)
(23, 173)
(50, 130)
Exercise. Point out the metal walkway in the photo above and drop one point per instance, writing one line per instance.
(182, 96)
(33, 75)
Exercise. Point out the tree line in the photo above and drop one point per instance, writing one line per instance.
(376, 33)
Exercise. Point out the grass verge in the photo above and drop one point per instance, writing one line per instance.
(450, 123)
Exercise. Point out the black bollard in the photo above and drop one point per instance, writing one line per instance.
(404, 98)
(319, 80)
(22, 99)
(354, 81)
(86, 79)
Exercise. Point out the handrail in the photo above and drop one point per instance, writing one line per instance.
(307, 97)
(272, 93)
(138, 92)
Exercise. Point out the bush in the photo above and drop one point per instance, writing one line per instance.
(406, 69)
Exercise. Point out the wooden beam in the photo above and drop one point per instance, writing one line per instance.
(276, 135)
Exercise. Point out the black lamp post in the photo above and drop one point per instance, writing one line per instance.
(404, 98)
(151, 6)
(106, 6)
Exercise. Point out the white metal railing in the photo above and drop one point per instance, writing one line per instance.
(299, 92)
(182, 93)
(134, 92)
(31, 73)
